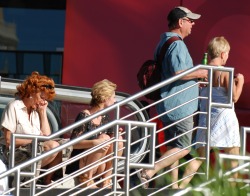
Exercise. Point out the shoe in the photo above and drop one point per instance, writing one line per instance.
(86, 181)
(144, 178)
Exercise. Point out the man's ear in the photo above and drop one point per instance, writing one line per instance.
(180, 22)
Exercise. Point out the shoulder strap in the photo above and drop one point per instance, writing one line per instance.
(219, 78)
(164, 48)
(86, 112)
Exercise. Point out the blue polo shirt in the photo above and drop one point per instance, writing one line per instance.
(177, 58)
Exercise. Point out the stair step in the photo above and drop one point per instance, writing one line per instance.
(137, 192)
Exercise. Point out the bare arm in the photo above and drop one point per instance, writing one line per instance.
(44, 123)
(201, 73)
(84, 144)
(19, 142)
(237, 87)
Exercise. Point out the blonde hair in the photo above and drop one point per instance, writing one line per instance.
(216, 46)
(101, 91)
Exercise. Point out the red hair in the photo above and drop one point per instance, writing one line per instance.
(36, 83)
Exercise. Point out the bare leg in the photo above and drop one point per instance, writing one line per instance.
(191, 168)
(88, 175)
(234, 163)
(48, 146)
(93, 159)
(168, 161)
(109, 164)
(52, 160)
(56, 161)
(174, 174)
(120, 146)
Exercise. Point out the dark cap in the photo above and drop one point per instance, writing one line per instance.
(181, 12)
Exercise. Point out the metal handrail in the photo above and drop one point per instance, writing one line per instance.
(243, 133)
(18, 168)
(222, 175)
(116, 108)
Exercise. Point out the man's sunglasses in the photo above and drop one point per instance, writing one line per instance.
(189, 20)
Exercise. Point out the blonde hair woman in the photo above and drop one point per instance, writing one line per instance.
(103, 95)
(224, 123)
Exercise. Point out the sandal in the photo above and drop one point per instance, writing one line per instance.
(86, 181)
(107, 184)
(144, 178)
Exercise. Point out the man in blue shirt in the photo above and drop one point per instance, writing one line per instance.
(177, 59)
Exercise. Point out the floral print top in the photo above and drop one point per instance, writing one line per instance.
(84, 128)
(89, 126)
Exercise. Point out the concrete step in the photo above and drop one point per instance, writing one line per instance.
(138, 192)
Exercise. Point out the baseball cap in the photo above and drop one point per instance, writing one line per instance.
(189, 14)
(181, 12)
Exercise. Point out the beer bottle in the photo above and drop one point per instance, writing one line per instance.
(204, 60)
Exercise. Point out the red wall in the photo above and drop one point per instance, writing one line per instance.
(110, 39)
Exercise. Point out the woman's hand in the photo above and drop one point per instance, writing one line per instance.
(101, 141)
(44, 123)
(239, 78)
(42, 106)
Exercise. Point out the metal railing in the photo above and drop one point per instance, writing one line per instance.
(225, 183)
(34, 160)
(126, 161)
(244, 131)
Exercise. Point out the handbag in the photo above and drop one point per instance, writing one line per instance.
(22, 153)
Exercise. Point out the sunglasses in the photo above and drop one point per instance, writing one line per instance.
(48, 86)
(189, 20)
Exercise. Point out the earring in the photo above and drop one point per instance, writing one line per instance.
(30, 97)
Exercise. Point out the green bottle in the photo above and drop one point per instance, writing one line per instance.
(204, 60)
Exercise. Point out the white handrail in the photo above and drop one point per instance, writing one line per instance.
(120, 120)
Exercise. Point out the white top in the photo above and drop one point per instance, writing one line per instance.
(224, 124)
(15, 118)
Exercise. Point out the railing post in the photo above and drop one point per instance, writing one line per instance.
(243, 140)
(209, 93)
(34, 165)
(127, 160)
(115, 161)
(17, 182)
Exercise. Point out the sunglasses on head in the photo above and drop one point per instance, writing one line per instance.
(48, 86)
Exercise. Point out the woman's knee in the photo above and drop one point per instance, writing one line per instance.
(50, 145)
